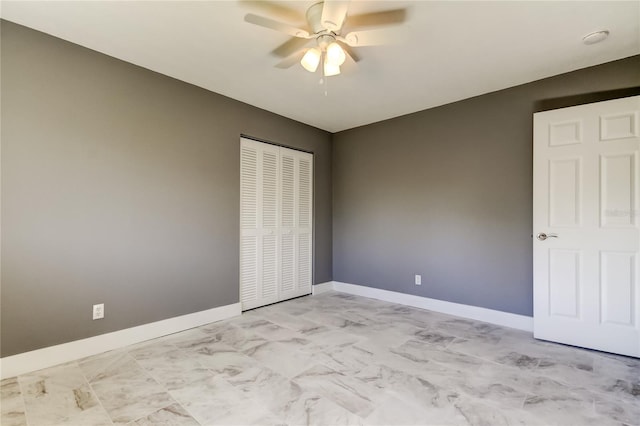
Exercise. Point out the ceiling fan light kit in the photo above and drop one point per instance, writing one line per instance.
(335, 54)
(331, 69)
(329, 51)
(311, 59)
(326, 20)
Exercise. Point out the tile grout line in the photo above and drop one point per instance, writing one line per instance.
(162, 386)
(95, 395)
(22, 399)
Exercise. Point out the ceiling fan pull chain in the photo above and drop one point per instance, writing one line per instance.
(326, 79)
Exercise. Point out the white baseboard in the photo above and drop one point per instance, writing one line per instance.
(520, 322)
(322, 287)
(53, 355)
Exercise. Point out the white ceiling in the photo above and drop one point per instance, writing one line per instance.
(456, 50)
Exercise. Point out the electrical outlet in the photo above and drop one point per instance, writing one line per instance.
(418, 279)
(98, 311)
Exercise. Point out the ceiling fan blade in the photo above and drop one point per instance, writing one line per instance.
(291, 60)
(275, 25)
(349, 66)
(349, 51)
(382, 36)
(387, 17)
(290, 47)
(333, 14)
(270, 8)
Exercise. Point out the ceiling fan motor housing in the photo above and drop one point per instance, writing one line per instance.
(325, 40)
(314, 18)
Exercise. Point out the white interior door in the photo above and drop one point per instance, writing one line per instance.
(586, 204)
(276, 193)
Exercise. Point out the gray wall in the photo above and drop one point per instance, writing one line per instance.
(121, 186)
(447, 193)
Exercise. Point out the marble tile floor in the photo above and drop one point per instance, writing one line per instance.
(333, 359)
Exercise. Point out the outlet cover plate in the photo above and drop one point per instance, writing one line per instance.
(98, 311)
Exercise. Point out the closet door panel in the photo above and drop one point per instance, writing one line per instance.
(269, 288)
(304, 192)
(289, 283)
(248, 269)
(249, 157)
(304, 229)
(288, 175)
(270, 176)
(269, 212)
(288, 264)
(304, 263)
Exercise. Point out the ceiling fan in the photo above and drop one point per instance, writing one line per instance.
(326, 21)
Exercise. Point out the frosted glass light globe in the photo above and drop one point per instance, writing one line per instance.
(335, 54)
(311, 60)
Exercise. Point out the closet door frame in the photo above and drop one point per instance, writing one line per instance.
(254, 235)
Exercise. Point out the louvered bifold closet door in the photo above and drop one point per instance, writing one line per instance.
(305, 222)
(288, 270)
(276, 197)
(259, 217)
(296, 223)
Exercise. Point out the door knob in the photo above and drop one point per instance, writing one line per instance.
(542, 236)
